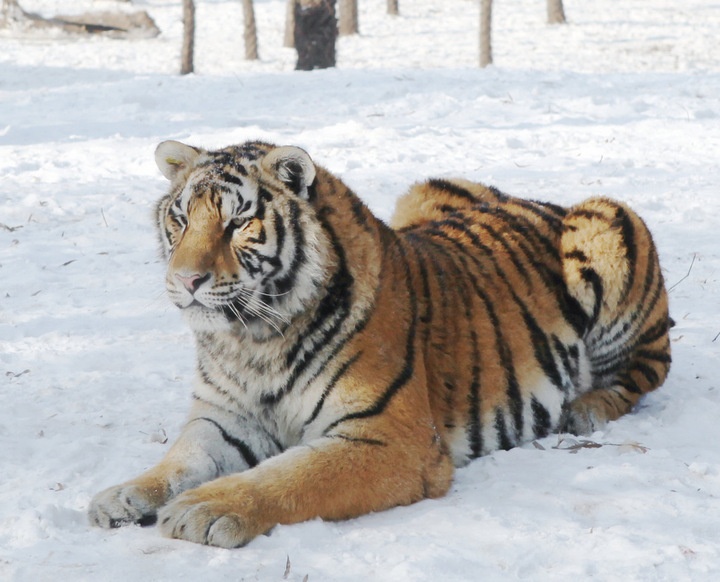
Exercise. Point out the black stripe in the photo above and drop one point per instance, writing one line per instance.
(561, 211)
(264, 196)
(536, 208)
(577, 254)
(509, 250)
(627, 233)
(205, 377)
(408, 369)
(330, 385)
(591, 276)
(232, 179)
(475, 426)
(280, 230)
(626, 381)
(286, 283)
(498, 194)
(452, 189)
(358, 440)
(648, 372)
(541, 419)
(658, 330)
(583, 213)
(504, 442)
(360, 212)
(562, 351)
(616, 390)
(241, 447)
(541, 347)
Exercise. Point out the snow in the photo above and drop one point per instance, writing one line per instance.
(96, 364)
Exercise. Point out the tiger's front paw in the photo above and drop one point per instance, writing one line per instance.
(121, 505)
(205, 518)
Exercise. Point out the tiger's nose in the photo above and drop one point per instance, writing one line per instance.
(193, 282)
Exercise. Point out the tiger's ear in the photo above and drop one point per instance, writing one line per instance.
(292, 166)
(172, 157)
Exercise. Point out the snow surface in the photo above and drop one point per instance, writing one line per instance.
(96, 364)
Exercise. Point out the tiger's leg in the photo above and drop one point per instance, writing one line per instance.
(357, 468)
(611, 267)
(212, 443)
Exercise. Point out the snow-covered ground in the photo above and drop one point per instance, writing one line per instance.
(95, 365)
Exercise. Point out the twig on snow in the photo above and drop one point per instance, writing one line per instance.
(686, 274)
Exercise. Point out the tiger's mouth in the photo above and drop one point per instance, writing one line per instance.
(252, 309)
(233, 310)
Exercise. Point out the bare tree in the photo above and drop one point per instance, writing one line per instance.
(289, 40)
(392, 7)
(315, 34)
(555, 12)
(188, 47)
(348, 17)
(251, 44)
(485, 33)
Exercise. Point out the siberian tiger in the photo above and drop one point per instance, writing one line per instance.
(346, 366)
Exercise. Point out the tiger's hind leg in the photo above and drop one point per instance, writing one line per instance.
(611, 267)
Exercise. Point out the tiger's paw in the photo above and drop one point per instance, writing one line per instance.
(121, 505)
(584, 415)
(579, 421)
(206, 519)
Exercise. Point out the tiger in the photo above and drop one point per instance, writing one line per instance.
(346, 365)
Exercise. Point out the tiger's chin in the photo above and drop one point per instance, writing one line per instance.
(205, 319)
(229, 318)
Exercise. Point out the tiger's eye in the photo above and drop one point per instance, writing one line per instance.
(238, 224)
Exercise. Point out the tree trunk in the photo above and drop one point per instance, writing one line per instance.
(251, 48)
(289, 40)
(315, 34)
(555, 12)
(485, 33)
(188, 47)
(348, 17)
(392, 7)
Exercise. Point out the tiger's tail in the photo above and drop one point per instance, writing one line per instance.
(611, 267)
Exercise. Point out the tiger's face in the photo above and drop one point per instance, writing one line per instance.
(244, 246)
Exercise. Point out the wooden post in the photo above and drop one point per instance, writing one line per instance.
(485, 33)
(348, 17)
(188, 47)
(251, 48)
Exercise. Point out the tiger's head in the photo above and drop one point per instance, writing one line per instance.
(244, 246)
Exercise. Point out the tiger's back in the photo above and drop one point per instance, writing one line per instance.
(537, 317)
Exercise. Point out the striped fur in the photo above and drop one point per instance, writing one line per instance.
(346, 366)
